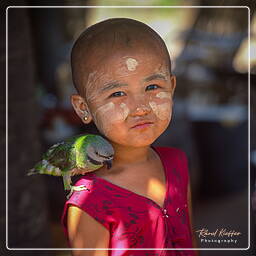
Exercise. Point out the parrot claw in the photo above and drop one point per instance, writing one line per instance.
(76, 188)
(80, 188)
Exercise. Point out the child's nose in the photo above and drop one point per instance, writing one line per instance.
(141, 110)
(140, 107)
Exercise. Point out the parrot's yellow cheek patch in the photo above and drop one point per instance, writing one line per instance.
(106, 116)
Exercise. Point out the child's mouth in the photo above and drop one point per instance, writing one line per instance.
(142, 125)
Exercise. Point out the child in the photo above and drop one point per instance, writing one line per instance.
(122, 71)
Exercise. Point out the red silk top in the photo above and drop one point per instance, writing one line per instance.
(135, 221)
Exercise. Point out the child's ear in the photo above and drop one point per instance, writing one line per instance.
(173, 83)
(81, 108)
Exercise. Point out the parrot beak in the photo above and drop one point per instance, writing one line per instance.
(108, 163)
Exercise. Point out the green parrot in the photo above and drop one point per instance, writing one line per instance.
(76, 155)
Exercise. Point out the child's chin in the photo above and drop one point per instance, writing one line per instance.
(137, 140)
(141, 142)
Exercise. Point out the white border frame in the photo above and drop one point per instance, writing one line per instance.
(132, 249)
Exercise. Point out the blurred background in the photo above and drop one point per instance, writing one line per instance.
(209, 52)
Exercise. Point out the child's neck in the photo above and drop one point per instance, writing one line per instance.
(131, 155)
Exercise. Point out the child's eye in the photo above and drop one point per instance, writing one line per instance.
(117, 94)
(152, 87)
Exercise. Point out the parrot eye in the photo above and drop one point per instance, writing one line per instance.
(98, 154)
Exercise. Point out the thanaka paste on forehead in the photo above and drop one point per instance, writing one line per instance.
(131, 64)
(91, 86)
(163, 70)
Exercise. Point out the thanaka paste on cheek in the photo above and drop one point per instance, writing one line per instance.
(164, 95)
(108, 114)
(126, 110)
(162, 111)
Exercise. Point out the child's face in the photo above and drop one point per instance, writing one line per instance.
(130, 97)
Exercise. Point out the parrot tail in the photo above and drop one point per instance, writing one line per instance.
(44, 167)
(32, 171)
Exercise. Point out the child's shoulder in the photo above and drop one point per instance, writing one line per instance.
(87, 191)
(87, 180)
(175, 160)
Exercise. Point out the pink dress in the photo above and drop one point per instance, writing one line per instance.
(135, 221)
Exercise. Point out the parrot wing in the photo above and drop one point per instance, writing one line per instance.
(60, 155)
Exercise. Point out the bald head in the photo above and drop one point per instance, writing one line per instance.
(110, 37)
